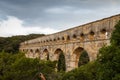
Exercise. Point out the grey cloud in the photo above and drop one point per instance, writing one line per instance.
(57, 13)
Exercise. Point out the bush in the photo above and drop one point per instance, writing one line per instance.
(18, 67)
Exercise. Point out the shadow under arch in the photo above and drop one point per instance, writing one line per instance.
(80, 57)
(59, 56)
(46, 54)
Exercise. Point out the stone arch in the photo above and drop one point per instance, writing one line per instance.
(103, 33)
(68, 37)
(77, 52)
(31, 53)
(58, 38)
(56, 53)
(47, 40)
(50, 40)
(82, 36)
(74, 36)
(37, 53)
(60, 57)
(54, 39)
(63, 38)
(45, 54)
(83, 58)
(91, 35)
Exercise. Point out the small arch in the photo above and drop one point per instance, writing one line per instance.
(54, 39)
(37, 53)
(23, 50)
(50, 39)
(45, 54)
(47, 41)
(103, 31)
(31, 50)
(59, 55)
(74, 36)
(37, 50)
(63, 38)
(68, 37)
(92, 33)
(58, 38)
(82, 35)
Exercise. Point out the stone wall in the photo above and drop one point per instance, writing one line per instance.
(90, 37)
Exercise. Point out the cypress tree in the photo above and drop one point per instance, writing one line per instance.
(83, 59)
(61, 62)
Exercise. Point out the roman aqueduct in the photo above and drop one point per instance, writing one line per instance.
(90, 37)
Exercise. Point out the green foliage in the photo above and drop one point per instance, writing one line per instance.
(109, 58)
(115, 37)
(85, 72)
(83, 59)
(61, 63)
(18, 67)
(11, 44)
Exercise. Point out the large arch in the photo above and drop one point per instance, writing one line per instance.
(45, 54)
(57, 53)
(59, 56)
(76, 56)
(83, 58)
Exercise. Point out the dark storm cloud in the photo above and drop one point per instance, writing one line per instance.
(52, 13)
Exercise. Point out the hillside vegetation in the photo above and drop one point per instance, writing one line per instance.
(11, 44)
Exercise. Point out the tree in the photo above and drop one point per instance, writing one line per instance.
(61, 62)
(18, 67)
(115, 37)
(109, 58)
(83, 59)
(11, 44)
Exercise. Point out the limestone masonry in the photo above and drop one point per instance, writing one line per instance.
(90, 37)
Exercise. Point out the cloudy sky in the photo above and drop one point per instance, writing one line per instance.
(21, 17)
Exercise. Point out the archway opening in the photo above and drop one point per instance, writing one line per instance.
(76, 55)
(82, 36)
(61, 60)
(68, 37)
(91, 35)
(46, 54)
(63, 38)
(58, 38)
(80, 57)
(31, 50)
(31, 53)
(57, 53)
(74, 36)
(83, 58)
(103, 31)
(37, 53)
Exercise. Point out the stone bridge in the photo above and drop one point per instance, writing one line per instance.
(90, 37)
